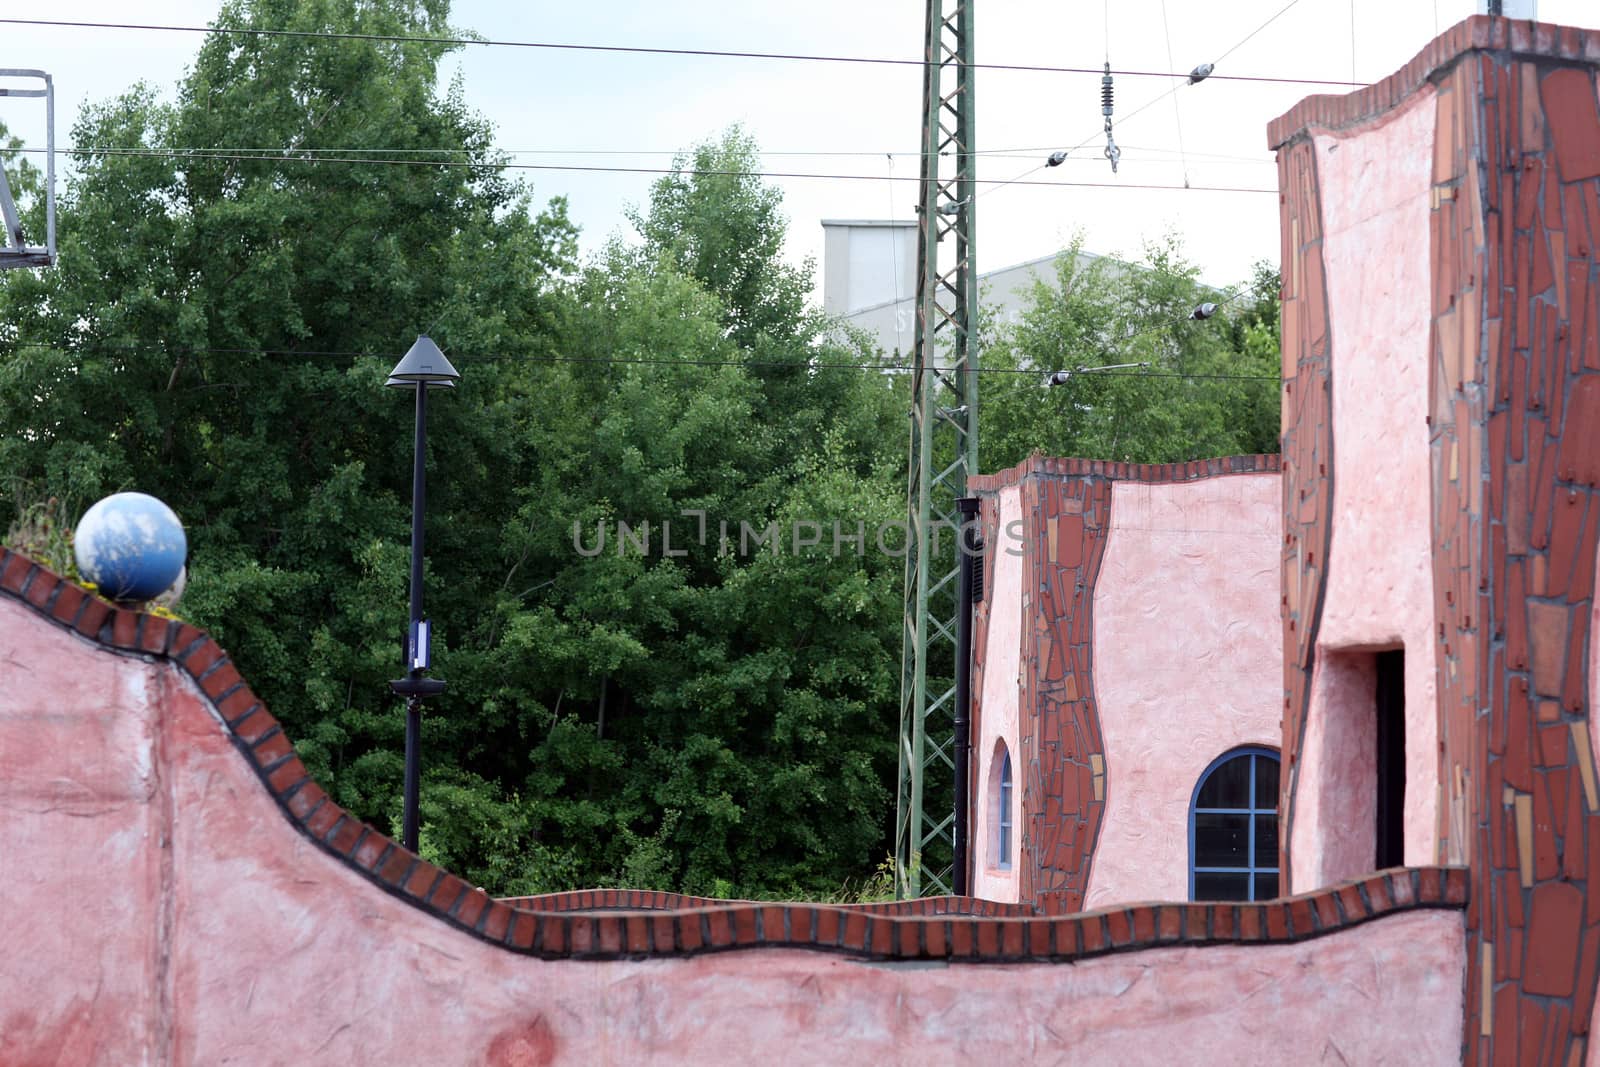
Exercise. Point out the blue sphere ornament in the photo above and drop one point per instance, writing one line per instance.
(131, 545)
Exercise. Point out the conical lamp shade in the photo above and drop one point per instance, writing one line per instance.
(424, 364)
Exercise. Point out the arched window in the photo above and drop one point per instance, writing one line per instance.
(998, 822)
(1003, 852)
(1233, 828)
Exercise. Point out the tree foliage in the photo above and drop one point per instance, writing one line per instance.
(704, 708)
(1174, 388)
(218, 332)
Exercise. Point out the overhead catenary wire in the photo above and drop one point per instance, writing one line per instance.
(208, 154)
(1177, 113)
(1107, 94)
(1182, 80)
(631, 49)
(894, 253)
(1021, 179)
(1353, 40)
(1251, 35)
(1019, 153)
(1024, 152)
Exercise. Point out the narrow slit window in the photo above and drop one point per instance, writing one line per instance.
(1003, 849)
(1391, 759)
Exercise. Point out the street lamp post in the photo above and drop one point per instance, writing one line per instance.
(422, 368)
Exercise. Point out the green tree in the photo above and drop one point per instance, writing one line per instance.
(203, 337)
(715, 220)
(721, 718)
(1195, 388)
(710, 721)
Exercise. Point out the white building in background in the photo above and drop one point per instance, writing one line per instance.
(869, 279)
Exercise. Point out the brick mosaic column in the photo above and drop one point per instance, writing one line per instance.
(1536, 862)
(1062, 760)
(1456, 400)
(1514, 434)
(1307, 462)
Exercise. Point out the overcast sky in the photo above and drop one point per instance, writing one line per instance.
(595, 108)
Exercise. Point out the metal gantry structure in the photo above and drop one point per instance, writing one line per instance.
(15, 250)
(944, 451)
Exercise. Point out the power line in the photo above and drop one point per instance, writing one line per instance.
(1176, 113)
(641, 50)
(994, 153)
(1246, 39)
(1180, 81)
(208, 154)
(1021, 179)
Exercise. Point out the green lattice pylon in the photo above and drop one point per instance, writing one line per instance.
(944, 451)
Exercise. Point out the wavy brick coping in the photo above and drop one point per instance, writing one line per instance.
(604, 933)
(1154, 473)
(606, 900)
(1520, 37)
(925, 933)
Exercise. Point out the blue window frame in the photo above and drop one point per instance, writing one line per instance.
(1003, 851)
(1233, 828)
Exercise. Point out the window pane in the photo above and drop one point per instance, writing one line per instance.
(1003, 850)
(1267, 783)
(1266, 840)
(1267, 886)
(1222, 886)
(1228, 786)
(1221, 840)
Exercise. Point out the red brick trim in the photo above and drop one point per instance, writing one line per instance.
(600, 900)
(1519, 37)
(1457, 446)
(632, 923)
(1061, 759)
(1155, 473)
(616, 923)
(597, 924)
(1308, 459)
(1521, 353)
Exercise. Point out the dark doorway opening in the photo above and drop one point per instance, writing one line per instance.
(1391, 758)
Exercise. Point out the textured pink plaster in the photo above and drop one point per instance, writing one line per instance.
(1187, 647)
(1001, 698)
(160, 908)
(1375, 197)
(81, 828)
(1336, 804)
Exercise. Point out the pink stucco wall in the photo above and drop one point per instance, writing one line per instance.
(1375, 197)
(1000, 699)
(161, 908)
(1337, 792)
(83, 816)
(1186, 652)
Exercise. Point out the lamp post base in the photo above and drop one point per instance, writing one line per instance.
(415, 690)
